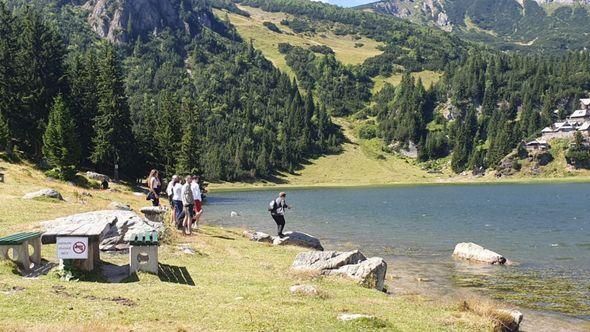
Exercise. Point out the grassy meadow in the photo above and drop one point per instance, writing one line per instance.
(228, 284)
(250, 28)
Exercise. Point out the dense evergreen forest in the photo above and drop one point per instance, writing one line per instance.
(196, 98)
(200, 101)
(486, 103)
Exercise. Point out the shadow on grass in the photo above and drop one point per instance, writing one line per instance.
(175, 274)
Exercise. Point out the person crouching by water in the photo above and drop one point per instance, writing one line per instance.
(154, 185)
(188, 203)
(170, 193)
(277, 211)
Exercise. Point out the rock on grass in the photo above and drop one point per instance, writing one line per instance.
(44, 193)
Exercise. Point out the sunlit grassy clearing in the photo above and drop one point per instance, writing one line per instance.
(428, 79)
(267, 41)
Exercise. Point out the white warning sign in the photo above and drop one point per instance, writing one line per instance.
(72, 247)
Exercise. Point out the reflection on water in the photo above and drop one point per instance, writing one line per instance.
(544, 228)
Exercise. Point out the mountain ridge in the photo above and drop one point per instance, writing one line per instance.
(508, 24)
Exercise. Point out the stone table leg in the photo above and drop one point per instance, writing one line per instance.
(143, 258)
(22, 251)
(36, 243)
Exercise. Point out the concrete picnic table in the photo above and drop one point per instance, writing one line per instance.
(91, 230)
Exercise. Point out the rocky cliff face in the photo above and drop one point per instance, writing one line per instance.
(121, 21)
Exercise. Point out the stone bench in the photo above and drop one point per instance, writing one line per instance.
(19, 243)
(143, 252)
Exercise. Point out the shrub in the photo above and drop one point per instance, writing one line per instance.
(322, 49)
(272, 27)
(367, 131)
(66, 173)
(285, 48)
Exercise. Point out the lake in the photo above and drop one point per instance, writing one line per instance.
(544, 228)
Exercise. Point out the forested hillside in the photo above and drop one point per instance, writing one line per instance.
(142, 84)
(192, 97)
(529, 25)
(484, 105)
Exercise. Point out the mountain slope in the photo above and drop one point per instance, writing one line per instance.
(507, 24)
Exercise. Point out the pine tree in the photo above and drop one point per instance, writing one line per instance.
(4, 133)
(60, 145)
(83, 98)
(167, 135)
(113, 138)
(191, 145)
(8, 77)
(40, 62)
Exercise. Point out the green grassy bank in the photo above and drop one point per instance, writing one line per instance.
(228, 284)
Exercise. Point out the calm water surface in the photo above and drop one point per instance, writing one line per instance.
(544, 228)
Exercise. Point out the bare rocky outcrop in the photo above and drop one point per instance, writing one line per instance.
(123, 20)
(474, 252)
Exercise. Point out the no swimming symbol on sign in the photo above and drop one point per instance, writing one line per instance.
(72, 247)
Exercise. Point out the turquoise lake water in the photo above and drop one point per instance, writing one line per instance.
(545, 229)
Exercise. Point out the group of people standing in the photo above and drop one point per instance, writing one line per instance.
(185, 198)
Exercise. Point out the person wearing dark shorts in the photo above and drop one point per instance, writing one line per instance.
(277, 211)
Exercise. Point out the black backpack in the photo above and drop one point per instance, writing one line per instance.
(274, 207)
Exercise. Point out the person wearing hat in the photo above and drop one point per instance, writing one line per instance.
(277, 211)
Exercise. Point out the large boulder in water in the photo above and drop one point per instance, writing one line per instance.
(369, 273)
(44, 193)
(119, 226)
(474, 252)
(298, 239)
(326, 260)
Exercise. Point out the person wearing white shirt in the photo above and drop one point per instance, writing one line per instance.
(170, 193)
(198, 199)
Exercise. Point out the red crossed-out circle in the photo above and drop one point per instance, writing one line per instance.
(79, 247)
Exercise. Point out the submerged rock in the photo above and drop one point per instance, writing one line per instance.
(370, 273)
(257, 236)
(298, 239)
(326, 260)
(473, 252)
(48, 193)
